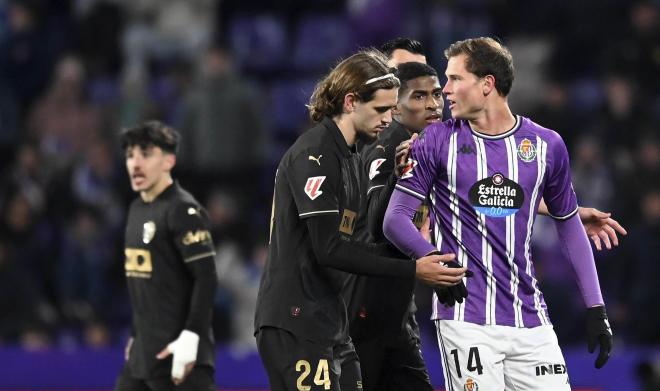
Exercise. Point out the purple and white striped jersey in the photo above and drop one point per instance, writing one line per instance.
(484, 192)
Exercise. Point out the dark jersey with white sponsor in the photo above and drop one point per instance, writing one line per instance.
(168, 248)
(318, 176)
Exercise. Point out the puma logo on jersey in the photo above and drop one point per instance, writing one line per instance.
(193, 211)
(316, 159)
(381, 147)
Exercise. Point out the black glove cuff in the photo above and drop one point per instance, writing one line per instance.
(597, 312)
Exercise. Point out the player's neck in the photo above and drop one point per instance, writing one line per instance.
(494, 120)
(150, 194)
(346, 128)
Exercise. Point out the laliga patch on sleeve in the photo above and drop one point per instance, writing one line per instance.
(313, 187)
(410, 166)
(373, 168)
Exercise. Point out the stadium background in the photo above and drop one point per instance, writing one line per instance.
(233, 77)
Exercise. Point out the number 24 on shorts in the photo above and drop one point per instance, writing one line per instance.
(321, 378)
(473, 364)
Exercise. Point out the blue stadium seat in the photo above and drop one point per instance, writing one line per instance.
(288, 100)
(259, 42)
(320, 41)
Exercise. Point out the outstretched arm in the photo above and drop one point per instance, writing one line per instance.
(599, 226)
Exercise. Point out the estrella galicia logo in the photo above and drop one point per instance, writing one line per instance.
(497, 196)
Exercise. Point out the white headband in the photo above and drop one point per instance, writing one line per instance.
(375, 79)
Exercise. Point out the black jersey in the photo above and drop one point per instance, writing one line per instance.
(168, 251)
(379, 306)
(378, 159)
(318, 176)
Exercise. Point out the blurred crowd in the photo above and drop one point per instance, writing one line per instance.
(233, 77)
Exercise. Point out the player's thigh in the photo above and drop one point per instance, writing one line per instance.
(293, 364)
(126, 382)
(346, 357)
(372, 355)
(536, 362)
(405, 368)
(200, 379)
(471, 356)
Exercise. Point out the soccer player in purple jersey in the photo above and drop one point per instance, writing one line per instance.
(485, 172)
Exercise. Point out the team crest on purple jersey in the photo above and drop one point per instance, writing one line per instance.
(497, 196)
(526, 151)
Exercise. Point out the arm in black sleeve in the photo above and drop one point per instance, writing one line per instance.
(203, 294)
(379, 198)
(333, 251)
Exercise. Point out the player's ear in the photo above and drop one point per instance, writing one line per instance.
(396, 110)
(170, 161)
(488, 84)
(349, 103)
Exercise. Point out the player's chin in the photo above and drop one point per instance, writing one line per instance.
(369, 137)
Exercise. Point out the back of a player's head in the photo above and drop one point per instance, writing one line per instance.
(149, 134)
(361, 74)
(412, 70)
(406, 44)
(486, 56)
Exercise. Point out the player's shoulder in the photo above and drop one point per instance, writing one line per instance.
(439, 132)
(533, 129)
(183, 203)
(313, 145)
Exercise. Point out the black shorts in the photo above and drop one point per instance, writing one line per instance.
(295, 364)
(200, 379)
(393, 363)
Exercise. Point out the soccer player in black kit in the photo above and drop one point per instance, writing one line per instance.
(301, 321)
(385, 331)
(170, 271)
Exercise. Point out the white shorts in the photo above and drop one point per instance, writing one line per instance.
(485, 358)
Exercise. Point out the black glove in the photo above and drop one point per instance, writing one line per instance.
(452, 294)
(599, 332)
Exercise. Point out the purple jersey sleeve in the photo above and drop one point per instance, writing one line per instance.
(558, 193)
(418, 175)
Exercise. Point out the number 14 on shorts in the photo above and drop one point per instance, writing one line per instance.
(321, 378)
(473, 361)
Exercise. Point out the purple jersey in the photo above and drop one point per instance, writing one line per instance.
(484, 193)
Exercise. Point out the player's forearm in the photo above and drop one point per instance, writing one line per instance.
(203, 294)
(377, 205)
(335, 252)
(399, 228)
(576, 247)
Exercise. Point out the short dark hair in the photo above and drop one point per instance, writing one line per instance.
(486, 56)
(407, 44)
(412, 70)
(150, 133)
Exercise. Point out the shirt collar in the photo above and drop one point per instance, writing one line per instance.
(332, 127)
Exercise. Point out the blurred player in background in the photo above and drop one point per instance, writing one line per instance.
(300, 322)
(485, 173)
(170, 271)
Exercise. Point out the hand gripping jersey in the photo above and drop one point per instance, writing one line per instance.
(484, 192)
